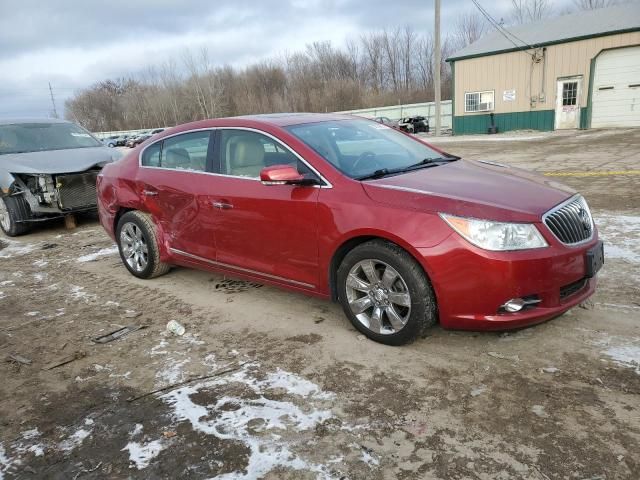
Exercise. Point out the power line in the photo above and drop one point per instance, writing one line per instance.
(503, 31)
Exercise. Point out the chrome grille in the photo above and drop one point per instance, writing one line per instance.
(77, 190)
(571, 221)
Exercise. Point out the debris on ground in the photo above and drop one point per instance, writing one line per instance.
(513, 358)
(176, 328)
(18, 359)
(64, 360)
(121, 332)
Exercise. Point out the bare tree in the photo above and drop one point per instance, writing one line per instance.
(593, 4)
(526, 11)
(469, 27)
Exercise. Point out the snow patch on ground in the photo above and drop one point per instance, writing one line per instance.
(77, 293)
(172, 373)
(74, 440)
(623, 351)
(261, 423)
(621, 234)
(140, 454)
(15, 249)
(40, 263)
(92, 257)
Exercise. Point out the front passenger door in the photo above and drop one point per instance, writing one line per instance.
(266, 230)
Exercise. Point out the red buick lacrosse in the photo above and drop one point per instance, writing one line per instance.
(402, 234)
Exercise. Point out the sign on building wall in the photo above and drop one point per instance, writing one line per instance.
(509, 96)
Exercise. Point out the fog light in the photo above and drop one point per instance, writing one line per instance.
(514, 305)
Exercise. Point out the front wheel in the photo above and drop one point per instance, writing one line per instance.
(14, 210)
(138, 245)
(385, 293)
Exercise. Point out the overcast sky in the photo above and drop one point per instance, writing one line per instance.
(73, 44)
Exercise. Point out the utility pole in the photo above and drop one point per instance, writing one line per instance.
(437, 60)
(53, 102)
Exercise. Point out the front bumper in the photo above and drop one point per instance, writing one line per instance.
(471, 284)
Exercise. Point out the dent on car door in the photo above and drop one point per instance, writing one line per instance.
(271, 230)
(174, 189)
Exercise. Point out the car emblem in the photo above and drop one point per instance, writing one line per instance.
(584, 218)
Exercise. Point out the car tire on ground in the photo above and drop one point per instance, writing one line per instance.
(111, 145)
(138, 245)
(385, 293)
(13, 211)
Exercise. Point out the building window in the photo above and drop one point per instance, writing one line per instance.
(569, 93)
(478, 101)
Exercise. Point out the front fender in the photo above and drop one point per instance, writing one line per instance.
(7, 181)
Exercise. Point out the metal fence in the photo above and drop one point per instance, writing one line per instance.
(396, 112)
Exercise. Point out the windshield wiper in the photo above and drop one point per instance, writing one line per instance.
(424, 163)
(378, 174)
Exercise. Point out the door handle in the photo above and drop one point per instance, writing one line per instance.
(222, 205)
(150, 193)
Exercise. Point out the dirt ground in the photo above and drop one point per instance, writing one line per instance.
(289, 390)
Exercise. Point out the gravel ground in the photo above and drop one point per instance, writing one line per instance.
(289, 390)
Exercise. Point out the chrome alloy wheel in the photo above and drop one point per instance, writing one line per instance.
(5, 220)
(378, 296)
(134, 246)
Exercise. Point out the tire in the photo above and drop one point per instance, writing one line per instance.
(138, 245)
(111, 145)
(13, 211)
(401, 319)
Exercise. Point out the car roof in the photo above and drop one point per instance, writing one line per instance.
(14, 121)
(287, 119)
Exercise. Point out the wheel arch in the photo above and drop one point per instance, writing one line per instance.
(357, 239)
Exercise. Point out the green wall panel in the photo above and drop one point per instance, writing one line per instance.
(473, 124)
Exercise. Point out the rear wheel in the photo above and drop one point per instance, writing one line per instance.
(14, 210)
(385, 293)
(138, 245)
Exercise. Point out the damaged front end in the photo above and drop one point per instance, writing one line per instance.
(57, 194)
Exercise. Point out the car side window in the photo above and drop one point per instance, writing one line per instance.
(151, 156)
(244, 154)
(186, 152)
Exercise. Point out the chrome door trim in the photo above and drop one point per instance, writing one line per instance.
(327, 183)
(241, 269)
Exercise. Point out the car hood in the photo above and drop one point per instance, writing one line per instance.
(57, 161)
(472, 189)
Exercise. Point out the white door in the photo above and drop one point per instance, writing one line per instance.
(616, 89)
(568, 102)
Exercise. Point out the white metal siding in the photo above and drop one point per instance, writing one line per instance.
(616, 102)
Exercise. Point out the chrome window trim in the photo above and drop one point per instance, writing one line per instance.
(327, 183)
(241, 269)
(560, 206)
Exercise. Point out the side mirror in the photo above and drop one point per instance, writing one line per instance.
(283, 175)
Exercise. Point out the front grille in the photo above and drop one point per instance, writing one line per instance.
(572, 288)
(571, 221)
(77, 190)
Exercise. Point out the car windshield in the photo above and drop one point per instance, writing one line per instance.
(38, 137)
(362, 148)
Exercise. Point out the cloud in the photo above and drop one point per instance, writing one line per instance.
(73, 44)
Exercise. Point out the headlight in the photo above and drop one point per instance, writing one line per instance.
(496, 236)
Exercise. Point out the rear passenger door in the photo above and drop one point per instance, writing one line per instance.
(174, 185)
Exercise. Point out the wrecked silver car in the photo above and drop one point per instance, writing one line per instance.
(48, 169)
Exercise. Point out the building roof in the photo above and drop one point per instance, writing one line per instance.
(566, 28)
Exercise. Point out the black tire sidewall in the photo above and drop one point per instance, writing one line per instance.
(150, 237)
(422, 298)
(15, 228)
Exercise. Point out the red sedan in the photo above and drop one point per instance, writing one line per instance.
(402, 234)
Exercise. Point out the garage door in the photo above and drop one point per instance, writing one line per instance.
(616, 89)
